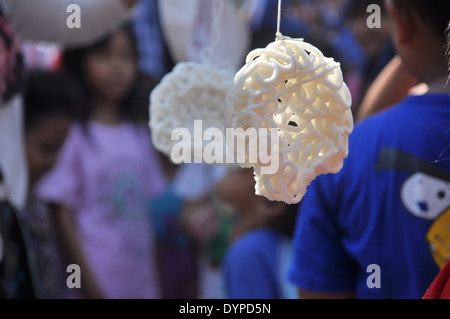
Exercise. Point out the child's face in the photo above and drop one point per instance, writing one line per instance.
(237, 187)
(43, 142)
(111, 70)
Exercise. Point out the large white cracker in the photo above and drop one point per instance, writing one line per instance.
(291, 86)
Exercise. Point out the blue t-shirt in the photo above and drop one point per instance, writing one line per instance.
(379, 227)
(255, 267)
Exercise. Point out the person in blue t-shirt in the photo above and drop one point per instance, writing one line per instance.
(379, 227)
(256, 261)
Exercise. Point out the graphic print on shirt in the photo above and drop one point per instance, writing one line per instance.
(122, 202)
(122, 192)
(424, 194)
(428, 197)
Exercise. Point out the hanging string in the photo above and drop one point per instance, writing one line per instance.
(278, 35)
(217, 11)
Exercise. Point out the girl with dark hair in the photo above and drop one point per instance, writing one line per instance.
(109, 77)
(106, 174)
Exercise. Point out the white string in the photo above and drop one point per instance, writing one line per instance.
(278, 34)
(217, 11)
(215, 27)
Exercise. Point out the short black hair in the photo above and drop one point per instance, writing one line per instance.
(134, 105)
(435, 13)
(49, 94)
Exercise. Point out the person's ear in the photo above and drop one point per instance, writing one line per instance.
(403, 19)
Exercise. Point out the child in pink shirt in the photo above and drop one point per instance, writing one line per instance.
(105, 176)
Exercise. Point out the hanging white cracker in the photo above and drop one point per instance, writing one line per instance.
(189, 92)
(292, 87)
(193, 90)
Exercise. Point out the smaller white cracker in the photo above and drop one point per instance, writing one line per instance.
(191, 91)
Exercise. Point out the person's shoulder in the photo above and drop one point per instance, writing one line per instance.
(420, 103)
(255, 247)
(255, 240)
(261, 234)
(377, 123)
(76, 128)
(139, 128)
(78, 134)
(406, 111)
(376, 118)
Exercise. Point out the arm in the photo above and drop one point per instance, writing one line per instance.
(31, 19)
(68, 232)
(321, 266)
(390, 87)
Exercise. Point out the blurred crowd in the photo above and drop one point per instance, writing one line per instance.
(101, 196)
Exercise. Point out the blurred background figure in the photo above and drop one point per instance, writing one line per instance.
(206, 223)
(257, 258)
(155, 60)
(192, 233)
(51, 101)
(183, 29)
(107, 172)
(379, 227)
(175, 249)
(376, 44)
(18, 21)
